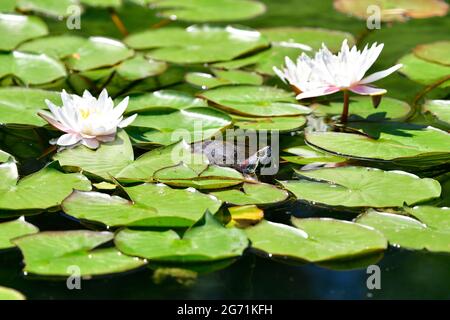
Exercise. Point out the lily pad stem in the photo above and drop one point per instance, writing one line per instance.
(118, 22)
(344, 115)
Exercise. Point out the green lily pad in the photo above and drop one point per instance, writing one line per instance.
(305, 155)
(163, 99)
(20, 105)
(362, 108)
(7, 6)
(54, 46)
(315, 239)
(10, 294)
(102, 3)
(16, 29)
(14, 229)
(151, 205)
(42, 190)
(440, 110)
(282, 124)
(53, 8)
(436, 52)
(260, 101)
(394, 10)
(98, 52)
(166, 126)
(4, 156)
(222, 78)
(57, 253)
(105, 162)
(209, 10)
(140, 67)
(31, 69)
(385, 141)
(208, 242)
(422, 71)
(362, 187)
(428, 228)
(197, 44)
(252, 193)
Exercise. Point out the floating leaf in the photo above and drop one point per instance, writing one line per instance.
(106, 161)
(197, 44)
(140, 67)
(10, 294)
(54, 46)
(54, 8)
(14, 229)
(252, 193)
(440, 109)
(244, 216)
(428, 228)
(362, 108)
(44, 189)
(209, 10)
(394, 10)
(163, 99)
(306, 155)
(208, 242)
(255, 101)
(222, 78)
(21, 105)
(315, 239)
(102, 3)
(362, 187)
(283, 124)
(436, 52)
(16, 29)
(31, 69)
(56, 253)
(4, 156)
(154, 205)
(386, 141)
(422, 71)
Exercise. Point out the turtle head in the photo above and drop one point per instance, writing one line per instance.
(262, 156)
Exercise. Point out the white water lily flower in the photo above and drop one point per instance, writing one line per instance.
(86, 120)
(328, 73)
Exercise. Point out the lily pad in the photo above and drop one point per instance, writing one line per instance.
(362, 187)
(252, 193)
(315, 239)
(163, 99)
(222, 78)
(208, 242)
(10, 294)
(422, 71)
(102, 3)
(197, 44)
(436, 52)
(31, 69)
(260, 101)
(244, 216)
(54, 46)
(282, 124)
(166, 126)
(57, 253)
(394, 141)
(428, 228)
(42, 190)
(16, 29)
(440, 109)
(105, 162)
(305, 155)
(54, 8)
(361, 108)
(394, 10)
(20, 105)
(4, 156)
(151, 205)
(209, 10)
(14, 229)
(140, 67)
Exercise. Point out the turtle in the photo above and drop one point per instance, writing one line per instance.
(227, 154)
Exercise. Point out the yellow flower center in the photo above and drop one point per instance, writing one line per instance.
(85, 113)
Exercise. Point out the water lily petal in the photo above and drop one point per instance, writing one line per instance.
(127, 121)
(380, 74)
(90, 143)
(120, 108)
(367, 90)
(49, 118)
(68, 139)
(317, 92)
(107, 138)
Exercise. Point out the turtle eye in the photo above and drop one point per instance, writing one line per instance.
(251, 168)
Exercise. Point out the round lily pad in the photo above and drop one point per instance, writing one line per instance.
(257, 193)
(436, 52)
(222, 78)
(14, 229)
(423, 71)
(140, 67)
(63, 253)
(315, 239)
(361, 108)
(31, 69)
(260, 101)
(362, 187)
(440, 110)
(209, 10)
(102, 3)
(53, 8)
(10, 294)
(208, 242)
(16, 29)
(54, 46)
(428, 228)
(197, 44)
(42, 190)
(151, 205)
(305, 155)
(394, 10)
(282, 124)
